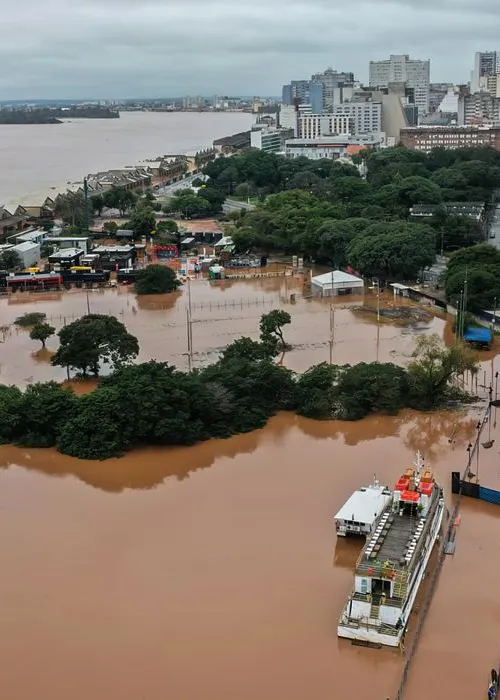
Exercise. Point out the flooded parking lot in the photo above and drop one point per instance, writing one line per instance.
(212, 571)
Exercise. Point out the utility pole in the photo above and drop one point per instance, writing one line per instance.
(332, 331)
(86, 201)
(88, 303)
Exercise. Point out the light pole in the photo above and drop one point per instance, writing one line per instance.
(376, 286)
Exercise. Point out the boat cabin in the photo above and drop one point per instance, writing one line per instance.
(359, 515)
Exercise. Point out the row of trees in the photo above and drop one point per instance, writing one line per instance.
(155, 404)
(479, 267)
(325, 211)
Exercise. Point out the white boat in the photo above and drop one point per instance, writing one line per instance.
(361, 512)
(393, 562)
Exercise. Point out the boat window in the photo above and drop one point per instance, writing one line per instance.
(364, 585)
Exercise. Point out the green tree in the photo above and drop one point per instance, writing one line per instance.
(480, 266)
(41, 332)
(70, 207)
(271, 325)
(156, 279)
(44, 409)
(99, 430)
(372, 388)
(402, 252)
(316, 394)
(190, 205)
(97, 203)
(247, 349)
(10, 416)
(120, 198)
(143, 221)
(93, 339)
(434, 369)
(110, 228)
(32, 318)
(10, 260)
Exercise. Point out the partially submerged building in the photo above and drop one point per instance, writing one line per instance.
(336, 283)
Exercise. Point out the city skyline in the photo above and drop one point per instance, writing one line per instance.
(120, 49)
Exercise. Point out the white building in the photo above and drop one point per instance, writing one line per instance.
(266, 138)
(336, 283)
(335, 146)
(365, 116)
(288, 118)
(485, 63)
(403, 69)
(28, 252)
(313, 126)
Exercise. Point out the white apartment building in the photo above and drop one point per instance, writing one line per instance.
(403, 69)
(313, 126)
(365, 117)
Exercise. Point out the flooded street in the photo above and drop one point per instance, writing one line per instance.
(212, 571)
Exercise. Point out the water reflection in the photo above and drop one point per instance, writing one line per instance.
(146, 468)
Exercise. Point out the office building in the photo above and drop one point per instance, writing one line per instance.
(485, 63)
(365, 115)
(268, 138)
(315, 125)
(401, 69)
(425, 138)
(265, 139)
(333, 84)
(303, 92)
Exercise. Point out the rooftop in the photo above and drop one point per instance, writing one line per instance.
(25, 246)
(66, 253)
(336, 277)
(364, 505)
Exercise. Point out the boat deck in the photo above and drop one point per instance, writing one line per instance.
(394, 545)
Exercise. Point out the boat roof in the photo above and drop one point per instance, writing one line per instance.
(365, 505)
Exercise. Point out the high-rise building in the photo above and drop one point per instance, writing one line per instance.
(332, 83)
(485, 63)
(402, 69)
(304, 92)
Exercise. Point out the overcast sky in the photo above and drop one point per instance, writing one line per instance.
(148, 48)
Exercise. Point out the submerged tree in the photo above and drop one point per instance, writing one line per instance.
(156, 279)
(271, 325)
(93, 339)
(434, 368)
(42, 331)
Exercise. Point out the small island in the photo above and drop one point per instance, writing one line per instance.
(55, 115)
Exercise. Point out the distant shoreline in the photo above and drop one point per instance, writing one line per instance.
(46, 115)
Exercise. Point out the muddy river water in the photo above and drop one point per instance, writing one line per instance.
(213, 571)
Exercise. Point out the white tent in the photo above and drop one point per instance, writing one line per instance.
(336, 283)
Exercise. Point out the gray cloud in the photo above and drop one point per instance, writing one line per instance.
(120, 48)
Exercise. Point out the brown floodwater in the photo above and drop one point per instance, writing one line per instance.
(213, 571)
